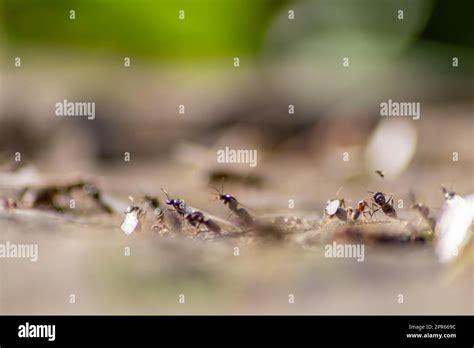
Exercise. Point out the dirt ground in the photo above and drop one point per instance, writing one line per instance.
(83, 253)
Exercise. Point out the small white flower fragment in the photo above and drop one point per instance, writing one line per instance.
(133, 217)
(453, 229)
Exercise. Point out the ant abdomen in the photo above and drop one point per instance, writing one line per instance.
(244, 216)
(231, 201)
(389, 211)
(213, 226)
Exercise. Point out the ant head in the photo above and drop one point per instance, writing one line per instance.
(378, 197)
(362, 204)
(226, 197)
(178, 203)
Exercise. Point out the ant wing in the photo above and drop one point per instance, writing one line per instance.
(218, 219)
(332, 207)
(213, 226)
(244, 206)
(216, 190)
(130, 223)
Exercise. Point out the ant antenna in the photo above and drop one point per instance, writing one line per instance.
(221, 192)
(215, 189)
(218, 194)
(166, 193)
(222, 185)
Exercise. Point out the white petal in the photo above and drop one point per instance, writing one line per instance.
(453, 227)
(130, 223)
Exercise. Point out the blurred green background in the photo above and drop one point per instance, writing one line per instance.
(218, 28)
(190, 62)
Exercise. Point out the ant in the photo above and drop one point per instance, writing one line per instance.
(193, 216)
(233, 205)
(355, 214)
(423, 210)
(380, 173)
(381, 203)
(197, 218)
(178, 204)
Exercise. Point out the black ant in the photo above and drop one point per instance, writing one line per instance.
(381, 203)
(233, 205)
(197, 218)
(178, 204)
(192, 215)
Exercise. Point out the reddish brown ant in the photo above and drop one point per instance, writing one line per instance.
(360, 210)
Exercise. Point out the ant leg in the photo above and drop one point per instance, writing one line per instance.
(374, 210)
(390, 200)
(343, 203)
(364, 218)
